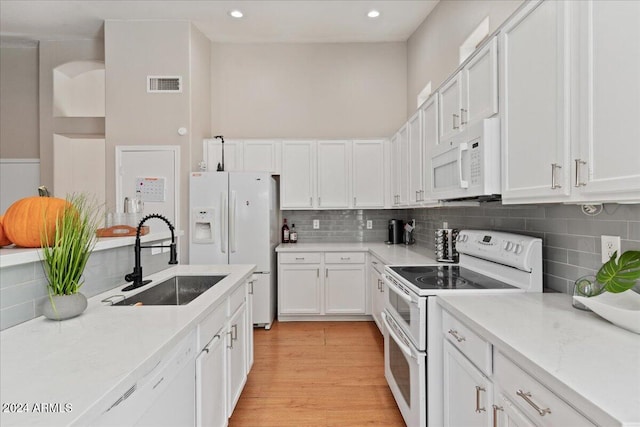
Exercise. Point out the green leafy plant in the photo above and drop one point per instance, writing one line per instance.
(621, 274)
(75, 237)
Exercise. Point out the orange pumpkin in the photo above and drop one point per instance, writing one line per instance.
(26, 220)
(4, 241)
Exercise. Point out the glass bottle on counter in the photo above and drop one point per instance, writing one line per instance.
(293, 235)
(285, 232)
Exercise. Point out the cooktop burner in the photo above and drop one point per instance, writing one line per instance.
(448, 277)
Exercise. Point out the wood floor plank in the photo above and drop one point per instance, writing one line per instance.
(317, 374)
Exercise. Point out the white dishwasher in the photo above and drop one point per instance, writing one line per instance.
(163, 397)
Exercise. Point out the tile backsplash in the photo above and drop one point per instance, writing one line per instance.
(571, 239)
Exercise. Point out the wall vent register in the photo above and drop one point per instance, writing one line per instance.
(164, 84)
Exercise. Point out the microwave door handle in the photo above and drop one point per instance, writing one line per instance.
(405, 348)
(462, 147)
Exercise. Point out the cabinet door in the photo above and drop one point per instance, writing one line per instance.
(506, 414)
(236, 355)
(429, 112)
(298, 171)
(535, 127)
(345, 289)
(395, 169)
(232, 155)
(261, 156)
(402, 159)
(368, 174)
(415, 158)
(211, 385)
(450, 103)
(607, 159)
(468, 395)
(299, 289)
(334, 174)
(480, 97)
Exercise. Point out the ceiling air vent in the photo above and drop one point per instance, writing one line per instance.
(164, 84)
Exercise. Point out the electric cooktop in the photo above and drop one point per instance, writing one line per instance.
(447, 277)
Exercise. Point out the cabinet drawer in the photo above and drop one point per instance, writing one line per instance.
(468, 342)
(300, 258)
(237, 298)
(534, 399)
(211, 325)
(344, 257)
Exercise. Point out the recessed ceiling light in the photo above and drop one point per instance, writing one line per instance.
(373, 13)
(236, 14)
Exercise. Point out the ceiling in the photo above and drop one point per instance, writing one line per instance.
(282, 21)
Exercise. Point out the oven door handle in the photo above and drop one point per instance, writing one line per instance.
(405, 348)
(399, 292)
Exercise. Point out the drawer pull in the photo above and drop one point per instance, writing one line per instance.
(478, 390)
(527, 398)
(300, 258)
(345, 258)
(458, 338)
(496, 408)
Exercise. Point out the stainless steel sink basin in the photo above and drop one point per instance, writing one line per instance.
(178, 290)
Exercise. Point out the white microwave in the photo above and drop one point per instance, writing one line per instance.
(467, 165)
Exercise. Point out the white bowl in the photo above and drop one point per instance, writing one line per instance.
(621, 309)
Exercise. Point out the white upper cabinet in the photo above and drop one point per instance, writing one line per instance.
(429, 112)
(472, 94)
(297, 182)
(450, 97)
(416, 191)
(480, 85)
(334, 159)
(232, 155)
(262, 156)
(368, 174)
(402, 160)
(535, 103)
(606, 155)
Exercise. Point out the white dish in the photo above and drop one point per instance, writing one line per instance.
(621, 309)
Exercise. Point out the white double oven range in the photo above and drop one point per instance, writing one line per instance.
(490, 262)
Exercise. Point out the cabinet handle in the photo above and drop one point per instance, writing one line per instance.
(374, 262)
(318, 273)
(345, 258)
(310, 201)
(478, 390)
(462, 113)
(354, 202)
(578, 163)
(319, 201)
(454, 333)
(527, 398)
(496, 408)
(326, 273)
(234, 335)
(230, 339)
(251, 287)
(300, 258)
(554, 168)
(454, 121)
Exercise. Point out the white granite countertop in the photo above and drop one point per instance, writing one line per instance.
(99, 354)
(15, 255)
(388, 254)
(591, 363)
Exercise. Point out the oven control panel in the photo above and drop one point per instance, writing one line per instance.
(514, 250)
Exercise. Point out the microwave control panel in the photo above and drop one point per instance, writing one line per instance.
(475, 163)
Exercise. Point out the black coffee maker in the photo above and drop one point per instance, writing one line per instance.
(396, 231)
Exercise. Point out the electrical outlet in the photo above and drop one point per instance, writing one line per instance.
(166, 244)
(610, 244)
(316, 224)
(369, 224)
(155, 249)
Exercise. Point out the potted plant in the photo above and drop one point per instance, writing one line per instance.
(65, 256)
(616, 275)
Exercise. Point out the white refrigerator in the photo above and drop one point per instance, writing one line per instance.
(233, 220)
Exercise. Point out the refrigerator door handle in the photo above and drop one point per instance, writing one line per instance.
(232, 224)
(223, 222)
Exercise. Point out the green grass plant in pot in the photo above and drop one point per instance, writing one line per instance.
(66, 256)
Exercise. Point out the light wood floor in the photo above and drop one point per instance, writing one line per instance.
(317, 374)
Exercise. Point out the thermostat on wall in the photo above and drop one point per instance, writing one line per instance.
(150, 189)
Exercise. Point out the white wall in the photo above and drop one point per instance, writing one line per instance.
(432, 50)
(319, 90)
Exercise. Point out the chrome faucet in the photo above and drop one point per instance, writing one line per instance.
(136, 275)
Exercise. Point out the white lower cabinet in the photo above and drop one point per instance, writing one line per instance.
(318, 284)
(226, 339)
(376, 289)
(468, 394)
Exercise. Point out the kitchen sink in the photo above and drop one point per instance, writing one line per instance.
(178, 290)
